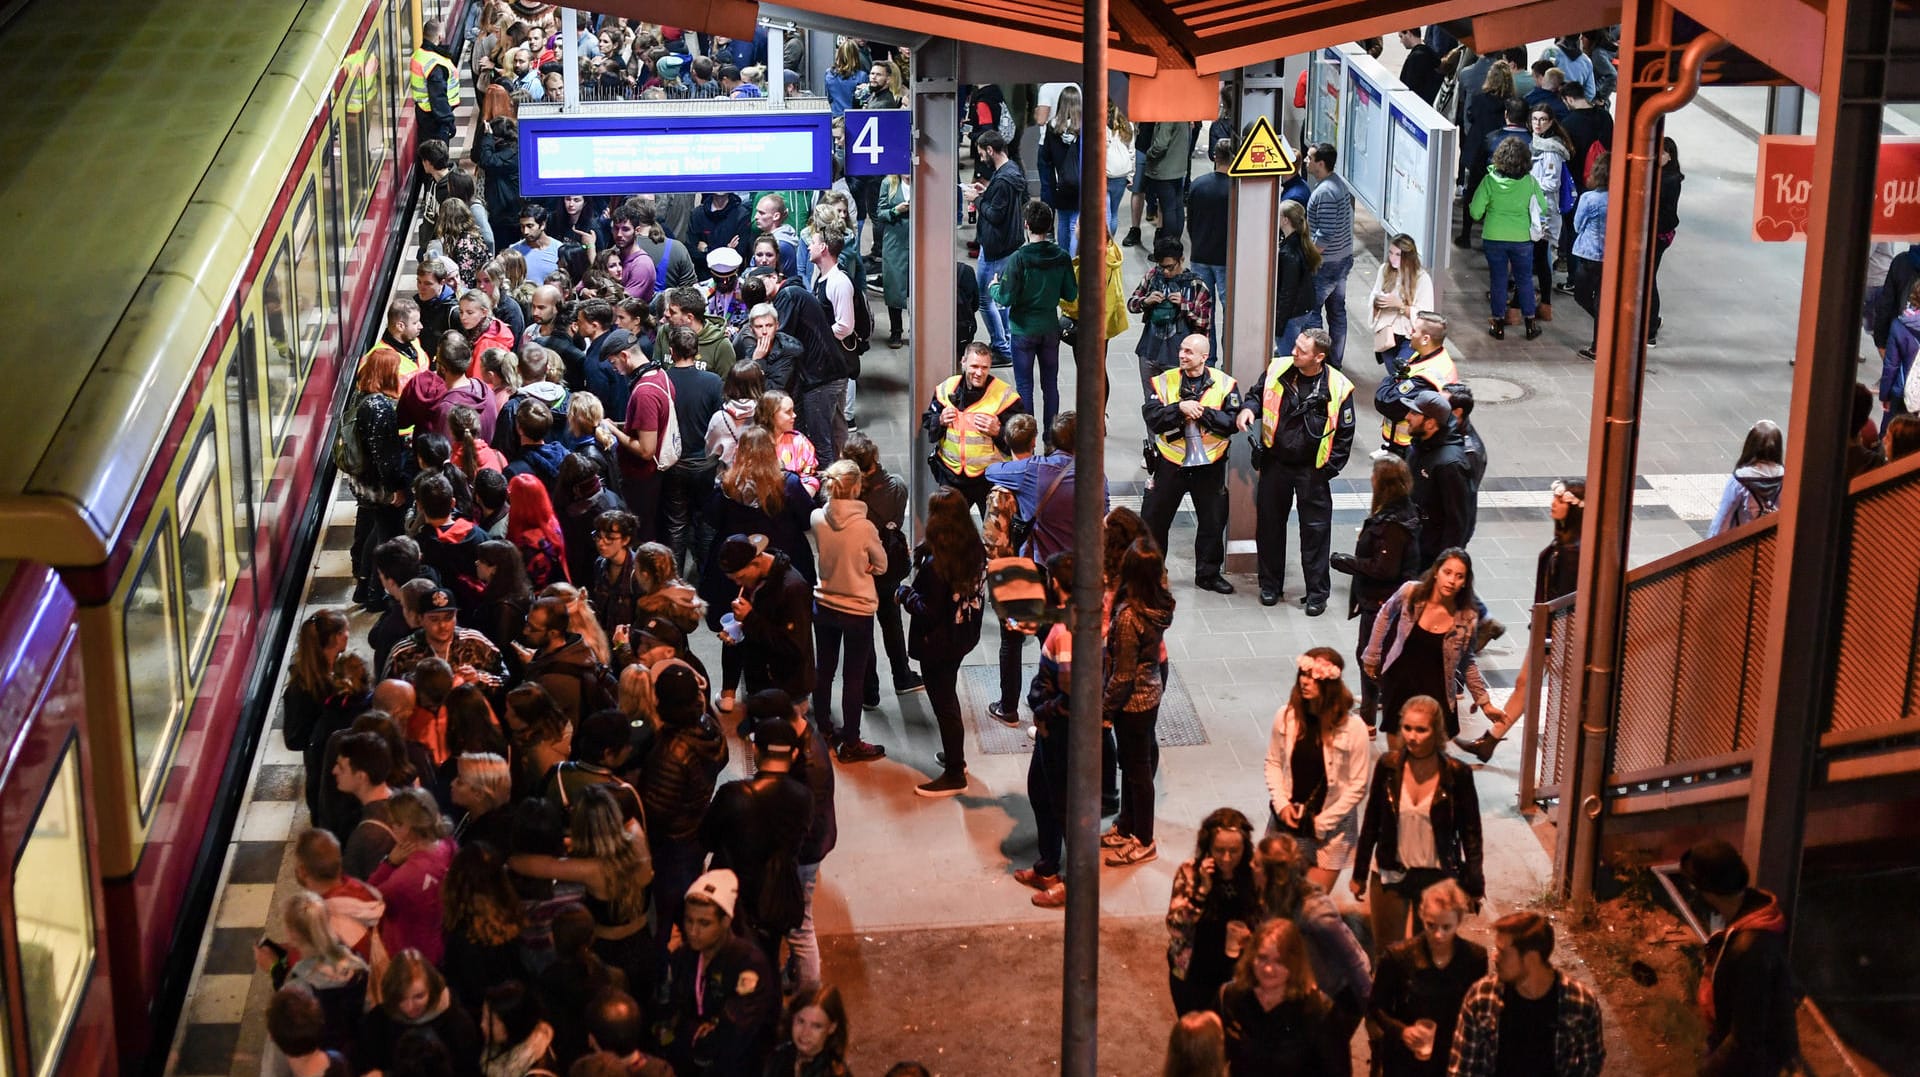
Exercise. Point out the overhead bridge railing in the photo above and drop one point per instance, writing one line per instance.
(1691, 675)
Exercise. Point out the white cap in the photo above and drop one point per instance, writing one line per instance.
(720, 887)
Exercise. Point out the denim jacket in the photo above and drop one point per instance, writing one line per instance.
(1399, 616)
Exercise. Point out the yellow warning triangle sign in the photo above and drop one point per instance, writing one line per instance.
(1261, 153)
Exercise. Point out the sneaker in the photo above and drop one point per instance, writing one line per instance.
(1114, 839)
(1132, 853)
(1030, 877)
(1053, 897)
(946, 785)
(909, 682)
(1653, 341)
(872, 702)
(896, 343)
(1005, 717)
(859, 751)
(1585, 353)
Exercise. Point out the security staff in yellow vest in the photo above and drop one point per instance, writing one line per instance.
(1302, 419)
(966, 424)
(434, 84)
(1190, 419)
(1431, 368)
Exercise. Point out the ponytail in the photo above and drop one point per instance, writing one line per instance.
(464, 423)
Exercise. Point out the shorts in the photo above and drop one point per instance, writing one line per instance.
(1139, 171)
(1332, 853)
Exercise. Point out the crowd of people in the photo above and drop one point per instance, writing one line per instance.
(575, 452)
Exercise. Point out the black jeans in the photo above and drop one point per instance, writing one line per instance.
(685, 490)
(1208, 487)
(1660, 245)
(643, 500)
(1586, 291)
(1139, 761)
(943, 695)
(894, 638)
(974, 488)
(831, 628)
(1047, 791)
(1013, 646)
(1274, 494)
(1369, 686)
(372, 525)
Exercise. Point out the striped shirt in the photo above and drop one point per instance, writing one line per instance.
(1330, 218)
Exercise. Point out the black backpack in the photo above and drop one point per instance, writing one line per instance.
(858, 341)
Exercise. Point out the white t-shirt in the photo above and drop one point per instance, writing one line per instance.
(840, 293)
(1050, 93)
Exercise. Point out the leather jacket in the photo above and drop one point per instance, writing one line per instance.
(679, 779)
(1456, 822)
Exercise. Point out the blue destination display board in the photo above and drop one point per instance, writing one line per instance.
(561, 155)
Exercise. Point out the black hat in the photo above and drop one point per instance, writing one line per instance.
(617, 341)
(739, 551)
(438, 600)
(776, 736)
(769, 703)
(676, 692)
(662, 633)
(1715, 867)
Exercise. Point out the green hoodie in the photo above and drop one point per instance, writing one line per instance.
(1502, 202)
(716, 349)
(1035, 280)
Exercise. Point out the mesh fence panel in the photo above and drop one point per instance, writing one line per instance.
(1874, 682)
(1555, 691)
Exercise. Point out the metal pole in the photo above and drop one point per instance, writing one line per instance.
(1802, 651)
(777, 66)
(1655, 89)
(935, 204)
(1080, 972)
(1784, 107)
(570, 56)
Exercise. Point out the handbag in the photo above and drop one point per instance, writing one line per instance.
(1069, 331)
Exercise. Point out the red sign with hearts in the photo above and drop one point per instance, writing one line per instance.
(1783, 189)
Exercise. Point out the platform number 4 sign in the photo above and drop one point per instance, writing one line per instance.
(879, 142)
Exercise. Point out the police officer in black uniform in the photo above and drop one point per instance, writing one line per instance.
(1303, 412)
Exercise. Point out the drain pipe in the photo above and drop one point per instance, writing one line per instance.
(1610, 496)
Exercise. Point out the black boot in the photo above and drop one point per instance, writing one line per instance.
(1132, 239)
(1480, 748)
(1533, 329)
(1497, 328)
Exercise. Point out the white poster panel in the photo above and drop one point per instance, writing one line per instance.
(1363, 151)
(1324, 78)
(1406, 209)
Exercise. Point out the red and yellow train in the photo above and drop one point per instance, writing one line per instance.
(204, 204)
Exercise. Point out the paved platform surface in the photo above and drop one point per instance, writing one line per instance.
(921, 877)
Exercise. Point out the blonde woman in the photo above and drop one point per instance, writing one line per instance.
(775, 414)
(1401, 289)
(315, 958)
(609, 858)
(844, 604)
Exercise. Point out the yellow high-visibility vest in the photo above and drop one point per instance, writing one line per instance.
(1338, 390)
(420, 68)
(966, 451)
(1166, 386)
(1437, 369)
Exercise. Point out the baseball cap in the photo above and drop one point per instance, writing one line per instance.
(720, 887)
(676, 692)
(660, 632)
(739, 551)
(618, 340)
(724, 260)
(769, 703)
(439, 600)
(776, 736)
(1432, 405)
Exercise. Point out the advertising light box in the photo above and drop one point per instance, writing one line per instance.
(1363, 145)
(633, 154)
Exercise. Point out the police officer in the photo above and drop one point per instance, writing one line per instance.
(965, 422)
(1190, 419)
(1304, 412)
(723, 1001)
(1430, 369)
(434, 84)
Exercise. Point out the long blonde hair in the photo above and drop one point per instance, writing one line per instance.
(1118, 123)
(846, 57)
(600, 833)
(310, 928)
(1405, 279)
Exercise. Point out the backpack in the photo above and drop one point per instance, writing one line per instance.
(861, 339)
(999, 522)
(1753, 503)
(668, 452)
(348, 455)
(899, 559)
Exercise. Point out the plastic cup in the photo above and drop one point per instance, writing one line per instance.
(732, 627)
(1423, 1039)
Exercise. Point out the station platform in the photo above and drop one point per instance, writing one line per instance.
(937, 948)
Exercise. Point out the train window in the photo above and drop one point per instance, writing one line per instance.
(153, 662)
(366, 127)
(203, 560)
(53, 915)
(311, 312)
(241, 449)
(282, 365)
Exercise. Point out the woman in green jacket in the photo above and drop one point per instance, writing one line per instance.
(890, 219)
(1507, 200)
(1036, 278)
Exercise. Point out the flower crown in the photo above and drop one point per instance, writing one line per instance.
(1319, 668)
